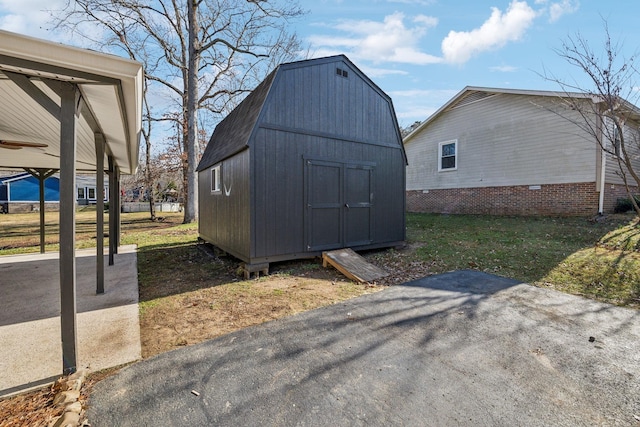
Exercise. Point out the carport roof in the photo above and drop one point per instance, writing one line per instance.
(111, 98)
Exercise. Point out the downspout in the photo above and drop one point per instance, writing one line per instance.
(603, 160)
(603, 168)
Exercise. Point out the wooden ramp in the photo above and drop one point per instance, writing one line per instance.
(352, 265)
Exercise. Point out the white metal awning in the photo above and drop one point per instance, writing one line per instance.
(111, 97)
(69, 109)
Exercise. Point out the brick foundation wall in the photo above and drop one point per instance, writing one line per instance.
(27, 207)
(614, 192)
(578, 199)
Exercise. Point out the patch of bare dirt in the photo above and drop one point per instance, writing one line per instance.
(191, 317)
(401, 264)
(196, 316)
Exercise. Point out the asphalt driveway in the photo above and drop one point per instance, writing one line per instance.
(462, 348)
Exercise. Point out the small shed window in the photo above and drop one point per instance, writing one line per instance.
(215, 179)
(81, 193)
(448, 155)
(342, 73)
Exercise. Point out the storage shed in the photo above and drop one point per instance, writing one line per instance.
(311, 160)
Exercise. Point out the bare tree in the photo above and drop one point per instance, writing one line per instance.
(157, 179)
(203, 54)
(606, 104)
(149, 175)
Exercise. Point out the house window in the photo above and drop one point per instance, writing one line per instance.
(611, 137)
(215, 179)
(616, 142)
(92, 193)
(448, 155)
(81, 193)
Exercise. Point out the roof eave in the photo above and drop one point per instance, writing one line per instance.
(467, 89)
(48, 60)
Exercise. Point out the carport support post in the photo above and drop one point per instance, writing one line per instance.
(41, 179)
(112, 209)
(99, 140)
(114, 200)
(69, 100)
(118, 210)
(41, 175)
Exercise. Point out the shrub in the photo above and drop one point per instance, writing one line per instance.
(624, 204)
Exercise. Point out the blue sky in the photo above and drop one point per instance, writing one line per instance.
(423, 52)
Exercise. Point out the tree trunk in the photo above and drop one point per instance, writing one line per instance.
(149, 179)
(191, 202)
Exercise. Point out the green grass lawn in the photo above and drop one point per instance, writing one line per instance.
(600, 260)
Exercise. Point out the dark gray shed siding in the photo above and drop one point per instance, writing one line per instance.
(230, 206)
(314, 100)
(280, 210)
(309, 117)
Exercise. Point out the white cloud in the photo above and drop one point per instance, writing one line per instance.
(14, 23)
(419, 104)
(397, 38)
(30, 17)
(498, 30)
(556, 10)
(415, 113)
(418, 2)
(428, 21)
(504, 68)
(386, 41)
(422, 93)
(381, 72)
(328, 41)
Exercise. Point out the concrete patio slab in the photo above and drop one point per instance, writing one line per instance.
(108, 330)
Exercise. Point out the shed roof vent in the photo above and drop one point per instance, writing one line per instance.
(341, 72)
(471, 98)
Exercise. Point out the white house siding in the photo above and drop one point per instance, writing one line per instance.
(503, 140)
(612, 175)
(632, 145)
(614, 184)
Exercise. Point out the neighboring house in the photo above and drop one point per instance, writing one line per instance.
(311, 160)
(21, 192)
(509, 152)
(86, 190)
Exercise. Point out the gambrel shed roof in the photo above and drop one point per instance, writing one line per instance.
(233, 134)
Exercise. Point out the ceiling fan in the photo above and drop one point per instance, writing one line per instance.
(17, 145)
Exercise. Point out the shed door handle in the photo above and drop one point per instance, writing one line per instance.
(346, 205)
